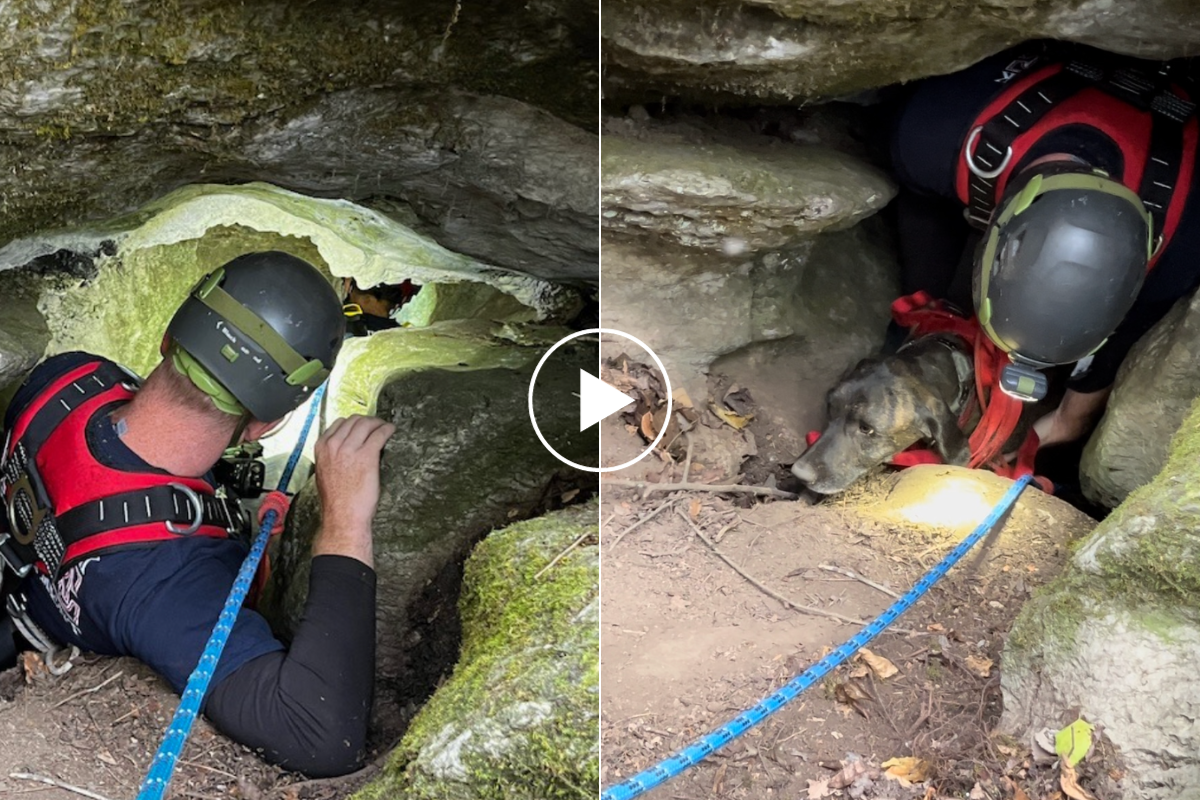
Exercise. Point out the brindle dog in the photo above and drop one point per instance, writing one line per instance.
(884, 405)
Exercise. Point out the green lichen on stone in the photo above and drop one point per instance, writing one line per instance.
(123, 312)
(366, 365)
(443, 301)
(519, 716)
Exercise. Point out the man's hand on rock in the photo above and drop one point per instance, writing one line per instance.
(347, 465)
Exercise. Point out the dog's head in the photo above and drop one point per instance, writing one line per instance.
(881, 407)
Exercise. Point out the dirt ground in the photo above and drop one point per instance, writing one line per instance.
(97, 729)
(688, 641)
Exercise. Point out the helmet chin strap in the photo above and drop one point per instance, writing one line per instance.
(243, 422)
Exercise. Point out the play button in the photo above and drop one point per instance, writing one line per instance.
(598, 400)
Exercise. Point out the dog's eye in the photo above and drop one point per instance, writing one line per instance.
(865, 429)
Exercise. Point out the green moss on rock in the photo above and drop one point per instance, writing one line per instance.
(518, 718)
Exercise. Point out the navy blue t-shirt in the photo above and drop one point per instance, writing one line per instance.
(157, 603)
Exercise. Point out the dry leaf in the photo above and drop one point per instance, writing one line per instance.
(648, 429)
(818, 789)
(909, 768)
(736, 421)
(859, 671)
(568, 496)
(1070, 784)
(979, 665)
(33, 666)
(694, 508)
(935, 627)
(681, 399)
(849, 774)
(882, 668)
(107, 758)
(977, 792)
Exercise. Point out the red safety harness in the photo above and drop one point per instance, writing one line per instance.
(999, 413)
(64, 505)
(1150, 119)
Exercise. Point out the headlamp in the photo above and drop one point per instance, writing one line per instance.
(1023, 382)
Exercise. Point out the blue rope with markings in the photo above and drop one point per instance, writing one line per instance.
(711, 742)
(163, 766)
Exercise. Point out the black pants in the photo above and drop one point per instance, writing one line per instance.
(307, 709)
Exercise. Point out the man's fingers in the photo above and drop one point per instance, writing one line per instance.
(359, 429)
(378, 437)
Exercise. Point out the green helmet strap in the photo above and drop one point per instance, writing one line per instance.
(191, 369)
(298, 370)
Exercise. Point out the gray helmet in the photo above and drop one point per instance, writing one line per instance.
(259, 334)
(1061, 263)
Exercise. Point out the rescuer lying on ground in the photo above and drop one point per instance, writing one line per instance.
(125, 562)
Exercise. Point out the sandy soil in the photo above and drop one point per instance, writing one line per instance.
(687, 641)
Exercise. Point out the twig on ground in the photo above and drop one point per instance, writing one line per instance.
(648, 488)
(95, 688)
(29, 776)
(687, 462)
(767, 590)
(563, 554)
(640, 522)
(719, 535)
(849, 573)
(198, 765)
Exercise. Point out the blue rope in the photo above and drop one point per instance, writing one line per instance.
(711, 742)
(163, 766)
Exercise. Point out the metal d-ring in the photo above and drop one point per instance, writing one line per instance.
(971, 165)
(194, 501)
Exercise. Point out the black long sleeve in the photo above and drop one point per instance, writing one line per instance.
(307, 709)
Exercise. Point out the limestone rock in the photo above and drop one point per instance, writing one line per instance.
(1153, 391)
(462, 462)
(142, 265)
(777, 51)
(1118, 633)
(518, 717)
(468, 115)
(692, 306)
(23, 331)
(734, 199)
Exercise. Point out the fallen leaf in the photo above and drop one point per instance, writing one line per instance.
(849, 773)
(694, 508)
(1070, 784)
(859, 671)
(909, 768)
(882, 668)
(818, 789)
(738, 401)
(681, 399)
(648, 429)
(32, 665)
(736, 421)
(935, 627)
(107, 758)
(977, 793)
(1073, 742)
(852, 695)
(979, 665)
(570, 495)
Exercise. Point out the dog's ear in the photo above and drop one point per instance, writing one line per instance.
(939, 424)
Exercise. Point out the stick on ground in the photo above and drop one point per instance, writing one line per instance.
(640, 522)
(649, 488)
(96, 688)
(767, 590)
(849, 573)
(29, 776)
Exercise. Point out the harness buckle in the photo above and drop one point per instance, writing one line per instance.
(976, 170)
(194, 501)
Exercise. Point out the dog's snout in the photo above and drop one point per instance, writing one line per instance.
(804, 472)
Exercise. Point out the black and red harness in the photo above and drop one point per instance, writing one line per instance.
(64, 505)
(1150, 119)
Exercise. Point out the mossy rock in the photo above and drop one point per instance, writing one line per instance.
(785, 51)
(753, 195)
(518, 719)
(1118, 634)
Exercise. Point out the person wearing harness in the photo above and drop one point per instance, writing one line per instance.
(1052, 188)
(126, 547)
